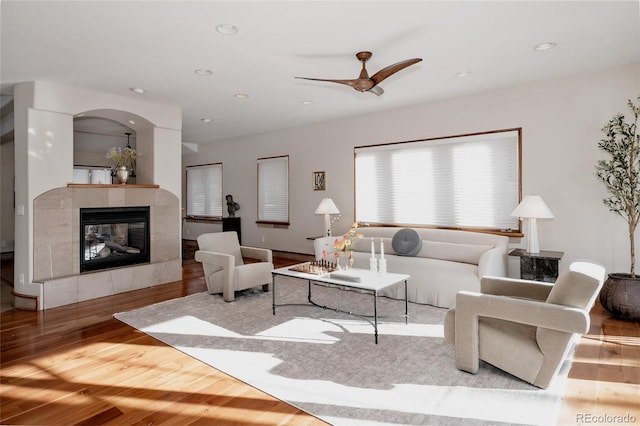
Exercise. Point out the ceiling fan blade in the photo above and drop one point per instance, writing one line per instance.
(347, 82)
(376, 90)
(392, 69)
(360, 84)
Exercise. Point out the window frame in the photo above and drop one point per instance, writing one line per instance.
(512, 232)
(204, 216)
(288, 192)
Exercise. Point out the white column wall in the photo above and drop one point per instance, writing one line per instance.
(167, 153)
(44, 152)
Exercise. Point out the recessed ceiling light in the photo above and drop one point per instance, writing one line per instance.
(241, 95)
(206, 120)
(203, 71)
(227, 29)
(137, 90)
(462, 74)
(132, 122)
(544, 46)
(307, 102)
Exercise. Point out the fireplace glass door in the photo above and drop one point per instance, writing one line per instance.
(113, 237)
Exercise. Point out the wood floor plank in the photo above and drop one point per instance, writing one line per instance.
(78, 365)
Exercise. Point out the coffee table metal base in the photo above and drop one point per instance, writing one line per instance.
(371, 319)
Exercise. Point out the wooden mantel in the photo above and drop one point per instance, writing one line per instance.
(107, 185)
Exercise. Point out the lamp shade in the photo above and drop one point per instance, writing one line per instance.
(327, 206)
(532, 206)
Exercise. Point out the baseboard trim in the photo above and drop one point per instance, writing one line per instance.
(25, 302)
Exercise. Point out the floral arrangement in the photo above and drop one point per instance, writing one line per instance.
(122, 157)
(346, 242)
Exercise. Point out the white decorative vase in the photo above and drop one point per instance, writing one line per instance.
(122, 174)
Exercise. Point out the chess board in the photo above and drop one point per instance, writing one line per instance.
(317, 267)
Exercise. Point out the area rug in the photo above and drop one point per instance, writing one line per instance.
(327, 363)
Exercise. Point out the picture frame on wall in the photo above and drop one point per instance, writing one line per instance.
(319, 181)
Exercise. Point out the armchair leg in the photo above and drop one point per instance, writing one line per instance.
(266, 288)
(228, 295)
(466, 341)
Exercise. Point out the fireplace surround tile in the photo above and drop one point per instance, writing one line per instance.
(93, 286)
(84, 197)
(171, 271)
(60, 292)
(122, 280)
(138, 196)
(145, 274)
(56, 200)
(58, 264)
(56, 243)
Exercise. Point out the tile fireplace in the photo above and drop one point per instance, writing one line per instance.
(77, 259)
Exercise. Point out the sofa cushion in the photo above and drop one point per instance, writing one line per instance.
(406, 242)
(465, 253)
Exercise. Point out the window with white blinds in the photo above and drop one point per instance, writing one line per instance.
(273, 189)
(470, 181)
(204, 190)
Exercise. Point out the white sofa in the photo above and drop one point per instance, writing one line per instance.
(448, 262)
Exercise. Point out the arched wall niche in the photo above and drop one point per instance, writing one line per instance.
(126, 118)
(96, 131)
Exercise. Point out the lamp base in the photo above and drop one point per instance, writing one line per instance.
(533, 245)
(327, 225)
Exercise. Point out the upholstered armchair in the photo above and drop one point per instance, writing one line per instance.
(525, 328)
(224, 270)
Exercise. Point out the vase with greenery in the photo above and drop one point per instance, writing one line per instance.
(620, 173)
(123, 159)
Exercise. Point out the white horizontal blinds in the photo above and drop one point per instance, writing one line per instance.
(466, 182)
(204, 190)
(273, 189)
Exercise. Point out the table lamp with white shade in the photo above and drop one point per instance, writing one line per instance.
(327, 207)
(532, 207)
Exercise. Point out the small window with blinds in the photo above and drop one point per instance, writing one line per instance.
(204, 191)
(461, 182)
(273, 190)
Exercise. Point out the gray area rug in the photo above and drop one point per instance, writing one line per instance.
(326, 362)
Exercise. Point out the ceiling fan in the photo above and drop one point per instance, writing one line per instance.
(364, 83)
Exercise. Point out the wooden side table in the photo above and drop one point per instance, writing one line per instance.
(541, 266)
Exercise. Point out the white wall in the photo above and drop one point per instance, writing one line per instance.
(561, 121)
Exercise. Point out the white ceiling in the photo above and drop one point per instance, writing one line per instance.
(115, 45)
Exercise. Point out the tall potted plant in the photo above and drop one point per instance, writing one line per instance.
(620, 173)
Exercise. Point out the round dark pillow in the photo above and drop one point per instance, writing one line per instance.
(406, 242)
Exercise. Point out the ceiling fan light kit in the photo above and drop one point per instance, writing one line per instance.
(364, 83)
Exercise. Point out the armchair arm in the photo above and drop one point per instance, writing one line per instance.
(471, 306)
(223, 260)
(529, 289)
(219, 269)
(540, 314)
(264, 255)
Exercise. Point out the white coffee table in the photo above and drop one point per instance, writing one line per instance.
(370, 281)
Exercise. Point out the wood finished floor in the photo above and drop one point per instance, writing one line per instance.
(77, 365)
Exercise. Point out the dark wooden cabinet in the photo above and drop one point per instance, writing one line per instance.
(232, 224)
